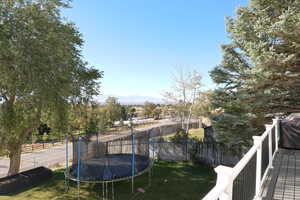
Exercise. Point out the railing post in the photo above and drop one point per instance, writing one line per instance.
(258, 142)
(276, 123)
(225, 176)
(269, 130)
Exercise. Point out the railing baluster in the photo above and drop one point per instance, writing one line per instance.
(269, 130)
(257, 141)
(276, 123)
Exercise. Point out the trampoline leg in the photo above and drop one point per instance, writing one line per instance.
(112, 190)
(149, 173)
(106, 190)
(66, 184)
(132, 185)
(78, 190)
(103, 190)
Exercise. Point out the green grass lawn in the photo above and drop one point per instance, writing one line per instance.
(193, 133)
(170, 180)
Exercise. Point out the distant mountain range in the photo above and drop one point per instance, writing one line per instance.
(132, 100)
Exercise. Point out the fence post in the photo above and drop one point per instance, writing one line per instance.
(224, 176)
(269, 130)
(276, 122)
(258, 142)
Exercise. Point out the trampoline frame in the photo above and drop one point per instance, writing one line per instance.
(67, 174)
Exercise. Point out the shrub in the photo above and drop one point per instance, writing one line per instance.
(180, 136)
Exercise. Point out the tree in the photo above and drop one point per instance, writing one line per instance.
(157, 113)
(149, 109)
(166, 111)
(41, 71)
(124, 113)
(259, 74)
(43, 128)
(203, 106)
(132, 112)
(91, 128)
(113, 110)
(185, 89)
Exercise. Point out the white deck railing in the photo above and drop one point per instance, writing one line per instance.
(226, 176)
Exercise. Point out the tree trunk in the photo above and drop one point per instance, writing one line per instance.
(200, 122)
(182, 120)
(188, 120)
(15, 160)
(190, 111)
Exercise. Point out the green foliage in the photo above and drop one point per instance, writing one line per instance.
(97, 120)
(113, 110)
(157, 113)
(195, 134)
(41, 70)
(124, 113)
(102, 121)
(180, 136)
(152, 110)
(91, 128)
(132, 112)
(259, 74)
(149, 109)
(203, 106)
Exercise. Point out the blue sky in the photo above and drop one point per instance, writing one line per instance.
(137, 43)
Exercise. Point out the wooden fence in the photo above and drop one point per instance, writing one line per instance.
(26, 148)
(197, 151)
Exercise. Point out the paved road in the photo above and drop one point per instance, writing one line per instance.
(57, 154)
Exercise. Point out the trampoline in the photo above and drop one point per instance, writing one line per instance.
(110, 168)
(121, 157)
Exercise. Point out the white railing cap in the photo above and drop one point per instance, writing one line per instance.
(221, 169)
(268, 126)
(257, 139)
(276, 120)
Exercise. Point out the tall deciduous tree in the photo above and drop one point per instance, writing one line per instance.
(184, 92)
(41, 71)
(260, 71)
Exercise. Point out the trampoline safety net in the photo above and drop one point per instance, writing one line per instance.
(120, 158)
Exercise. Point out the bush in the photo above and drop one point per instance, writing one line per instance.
(180, 136)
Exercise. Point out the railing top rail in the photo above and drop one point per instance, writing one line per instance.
(246, 158)
(243, 162)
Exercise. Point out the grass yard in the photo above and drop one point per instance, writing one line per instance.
(193, 133)
(170, 180)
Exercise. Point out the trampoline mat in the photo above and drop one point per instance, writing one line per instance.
(110, 167)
